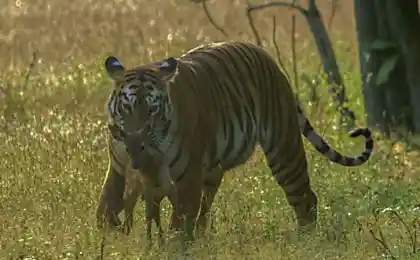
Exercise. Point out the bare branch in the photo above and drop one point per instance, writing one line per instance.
(411, 234)
(272, 4)
(210, 17)
(276, 47)
(381, 239)
(334, 8)
(293, 41)
(252, 25)
(102, 247)
(329, 61)
(384, 246)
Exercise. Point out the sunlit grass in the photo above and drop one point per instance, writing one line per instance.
(53, 146)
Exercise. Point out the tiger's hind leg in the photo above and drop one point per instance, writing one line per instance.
(287, 160)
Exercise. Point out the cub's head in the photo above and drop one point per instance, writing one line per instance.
(139, 104)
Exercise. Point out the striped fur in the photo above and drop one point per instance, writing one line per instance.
(209, 109)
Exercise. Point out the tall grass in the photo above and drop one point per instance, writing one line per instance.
(53, 147)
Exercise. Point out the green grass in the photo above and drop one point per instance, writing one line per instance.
(54, 158)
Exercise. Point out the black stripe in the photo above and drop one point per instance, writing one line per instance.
(231, 141)
(232, 84)
(298, 191)
(369, 145)
(307, 129)
(245, 77)
(348, 161)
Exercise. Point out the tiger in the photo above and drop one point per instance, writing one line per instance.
(210, 108)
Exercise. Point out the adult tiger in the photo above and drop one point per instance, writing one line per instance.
(210, 108)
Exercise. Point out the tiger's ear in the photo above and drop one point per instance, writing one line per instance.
(170, 65)
(114, 68)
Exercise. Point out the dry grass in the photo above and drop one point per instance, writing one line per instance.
(53, 138)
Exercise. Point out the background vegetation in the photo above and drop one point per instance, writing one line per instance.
(53, 146)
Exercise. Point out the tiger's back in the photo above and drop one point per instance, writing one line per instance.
(236, 89)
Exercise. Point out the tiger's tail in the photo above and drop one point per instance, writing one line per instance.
(322, 147)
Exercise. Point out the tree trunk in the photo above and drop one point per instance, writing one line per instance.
(374, 98)
(404, 21)
(388, 103)
(396, 90)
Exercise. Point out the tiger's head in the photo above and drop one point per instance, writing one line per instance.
(139, 106)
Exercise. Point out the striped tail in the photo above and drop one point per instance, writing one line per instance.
(329, 152)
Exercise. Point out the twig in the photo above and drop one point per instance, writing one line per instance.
(103, 239)
(334, 7)
(294, 63)
(271, 4)
(30, 69)
(102, 247)
(276, 47)
(210, 17)
(415, 249)
(381, 239)
(252, 25)
(252, 8)
(385, 248)
(411, 235)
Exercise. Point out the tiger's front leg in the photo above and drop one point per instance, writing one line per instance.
(188, 191)
(111, 200)
(211, 184)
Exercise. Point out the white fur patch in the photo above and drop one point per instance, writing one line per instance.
(116, 63)
(165, 65)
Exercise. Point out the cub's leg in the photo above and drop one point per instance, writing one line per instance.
(144, 181)
(153, 198)
(132, 192)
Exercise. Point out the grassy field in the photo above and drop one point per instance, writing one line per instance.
(53, 130)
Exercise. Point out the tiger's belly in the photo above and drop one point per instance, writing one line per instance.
(234, 146)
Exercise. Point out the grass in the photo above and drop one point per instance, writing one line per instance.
(53, 143)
